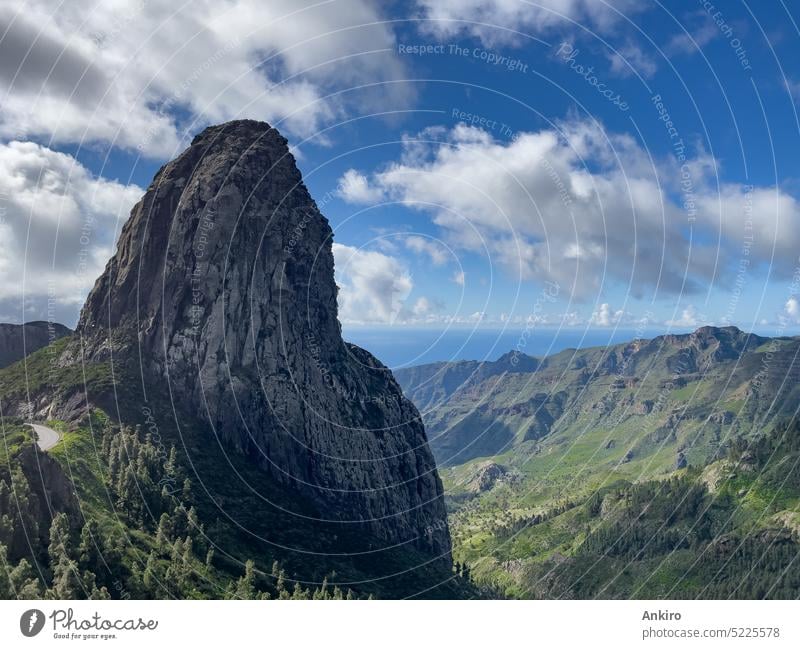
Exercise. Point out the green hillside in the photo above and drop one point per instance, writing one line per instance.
(561, 472)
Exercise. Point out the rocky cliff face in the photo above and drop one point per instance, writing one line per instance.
(17, 341)
(222, 288)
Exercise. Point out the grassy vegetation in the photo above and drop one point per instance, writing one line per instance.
(669, 537)
(15, 436)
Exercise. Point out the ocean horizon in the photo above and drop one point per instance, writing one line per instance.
(399, 347)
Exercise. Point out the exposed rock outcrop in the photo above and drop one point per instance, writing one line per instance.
(488, 474)
(223, 286)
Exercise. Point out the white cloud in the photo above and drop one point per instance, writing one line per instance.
(792, 309)
(570, 319)
(502, 21)
(354, 188)
(583, 207)
(373, 287)
(768, 214)
(689, 318)
(119, 71)
(459, 277)
(683, 43)
(605, 316)
(426, 308)
(629, 60)
(57, 224)
(436, 251)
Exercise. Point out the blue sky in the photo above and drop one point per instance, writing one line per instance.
(569, 163)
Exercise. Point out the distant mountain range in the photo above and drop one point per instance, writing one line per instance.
(17, 341)
(542, 458)
(684, 393)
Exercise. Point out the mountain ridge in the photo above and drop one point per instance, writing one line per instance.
(556, 383)
(610, 471)
(18, 341)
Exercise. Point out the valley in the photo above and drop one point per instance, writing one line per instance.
(549, 463)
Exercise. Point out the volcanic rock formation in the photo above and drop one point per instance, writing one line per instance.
(223, 286)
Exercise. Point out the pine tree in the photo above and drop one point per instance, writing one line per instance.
(66, 581)
(164, 532)
(176, 554)
(280, 583)
(150, 575)
(24, 504)
(188, 553)
(5, 569)
(171, 465)
(298, 592)
(6, 528)
(23, 581)
(180, 521)
(322, 591)
(186, 492)
(90, 547)
(129, 497)
(60, 547)
(245, 587)
(5, 496)
(90, 587)
(195, 529)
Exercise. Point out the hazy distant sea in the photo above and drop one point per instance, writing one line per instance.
(401, 347)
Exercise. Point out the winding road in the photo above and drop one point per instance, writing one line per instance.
(46, 437)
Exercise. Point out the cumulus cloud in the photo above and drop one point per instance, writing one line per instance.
(503, 21)
(459, 277)
(57, 224)
(605, 316)
(434, 250)
(583, 207)
(121, 72)
(688, 318)
(354, 188)
(373, 287)
(792, 309)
